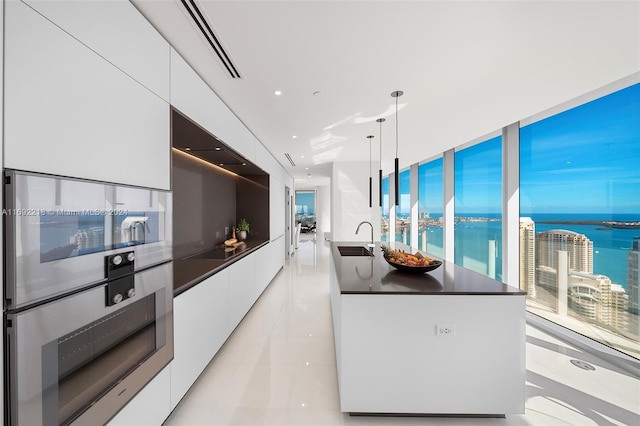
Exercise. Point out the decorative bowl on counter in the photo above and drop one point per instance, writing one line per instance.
(407, 262)
(433, 264)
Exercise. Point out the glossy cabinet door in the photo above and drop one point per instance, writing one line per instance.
(119, 33)
(151, 406)
(242, 289)
(70, 112)
(276, 207)
(201, 326)
(195, 99)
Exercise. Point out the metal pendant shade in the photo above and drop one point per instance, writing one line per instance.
(370, 177)
(396, 95)
(380, 120)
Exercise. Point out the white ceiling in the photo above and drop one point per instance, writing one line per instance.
(466, 68)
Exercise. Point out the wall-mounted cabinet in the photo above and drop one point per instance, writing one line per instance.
(70, 112)
(191, 95)
(136, 47)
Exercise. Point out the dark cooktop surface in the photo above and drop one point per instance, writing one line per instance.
(216, 253)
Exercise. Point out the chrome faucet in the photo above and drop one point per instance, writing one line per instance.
(371, 246)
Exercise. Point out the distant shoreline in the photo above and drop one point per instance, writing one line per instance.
(607, 224)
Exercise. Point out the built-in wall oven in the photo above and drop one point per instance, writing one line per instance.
(88, 296)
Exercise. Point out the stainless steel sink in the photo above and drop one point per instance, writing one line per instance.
(354, 251)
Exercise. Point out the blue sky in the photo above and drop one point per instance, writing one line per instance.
(305, 202)
(430, 187)
(478, 178)
(584, 160)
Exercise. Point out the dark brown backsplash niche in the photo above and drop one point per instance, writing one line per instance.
(207, 198)
(204, 202)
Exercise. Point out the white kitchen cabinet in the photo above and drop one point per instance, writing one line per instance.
(276, 206)
(242, 288)
(277, 255)
(201, 326)
(70, 112)
(263, 275)
(265, 160)
(151, 406)
(195, 99)
(269, 260)
(119, 33)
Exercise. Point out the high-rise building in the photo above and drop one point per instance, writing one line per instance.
(633, 277)
(619, 318)
(578, 247)
(528, 256)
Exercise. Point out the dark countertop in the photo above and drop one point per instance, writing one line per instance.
(194, 269)
(373, 275)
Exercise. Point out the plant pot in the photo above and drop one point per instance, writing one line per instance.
(242, 235)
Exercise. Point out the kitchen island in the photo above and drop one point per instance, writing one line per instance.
(447, 342)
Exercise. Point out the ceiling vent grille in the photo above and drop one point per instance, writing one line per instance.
(286, 154)
(209, 35)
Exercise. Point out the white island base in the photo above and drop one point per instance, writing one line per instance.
(392, 359)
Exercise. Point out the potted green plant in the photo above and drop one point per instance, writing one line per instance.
(242, 228)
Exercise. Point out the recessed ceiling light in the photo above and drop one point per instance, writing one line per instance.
(187, 149)
(221, 164)
(218, 148)
(277, 93)
(294, 137)
(244, 164)
(302, 156)
(307, 168)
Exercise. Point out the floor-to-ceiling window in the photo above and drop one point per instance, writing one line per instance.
(580, 214)
(306, 210)
(478, 207)
(430, 207)
(580, 218)
(403, 210)
(384, 216)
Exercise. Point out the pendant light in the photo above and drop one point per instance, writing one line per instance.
(370, 177)
(396, 95)
(380, 120)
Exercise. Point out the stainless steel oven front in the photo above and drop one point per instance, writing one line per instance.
(59, 229)
(82, 357)
(88, 306)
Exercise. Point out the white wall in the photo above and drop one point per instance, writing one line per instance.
(323, 210)
(350, 202)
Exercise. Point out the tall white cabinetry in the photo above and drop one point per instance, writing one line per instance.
(201, 326)
(88, 87)
(191, 96)
(70, 112)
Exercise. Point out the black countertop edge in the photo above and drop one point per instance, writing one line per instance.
(189, 272)
(436, 293)
(373, 275)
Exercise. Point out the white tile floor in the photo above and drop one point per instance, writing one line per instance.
(278, 368)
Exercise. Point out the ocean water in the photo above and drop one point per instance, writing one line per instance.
(610, 246)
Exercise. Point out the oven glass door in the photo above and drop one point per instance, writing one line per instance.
(68, 354)
(58, 231)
